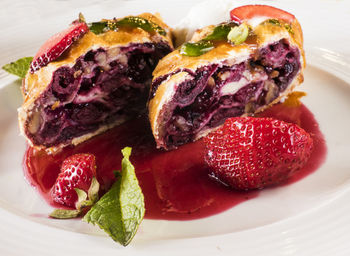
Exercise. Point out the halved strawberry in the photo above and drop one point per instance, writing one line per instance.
(252, 153)
(57, 45)
(77, 172)
(246, 12)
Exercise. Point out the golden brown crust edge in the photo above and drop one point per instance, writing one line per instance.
(266, 34)
(33, 85)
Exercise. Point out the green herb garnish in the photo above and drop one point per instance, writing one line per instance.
(276, 22)
(238, 34)
(131, 22)
(20, 67)
(120, 211)
(138, 22)
(196, 49)
(98, 27)
(219, 33)
(206, 44)
(230, 32)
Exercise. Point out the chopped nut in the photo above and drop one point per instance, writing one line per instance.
(101, 58)
(211, 82)
(77, 73)
(123, 59)
(180, 122)
(34, 123)
(112, 52)
(55, 105)
(274, 74)
(249, 107)
(272, 92)
(224, 75)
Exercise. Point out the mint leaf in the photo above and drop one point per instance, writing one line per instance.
(120, 211)
(20, 67)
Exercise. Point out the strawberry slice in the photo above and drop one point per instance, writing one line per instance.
(57, 45)
(252, 153)
(247, 12)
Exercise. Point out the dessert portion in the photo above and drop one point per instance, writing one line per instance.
(93, 76)
(90, 78)
(236, 68)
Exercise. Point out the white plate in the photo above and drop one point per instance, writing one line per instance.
(310, 217)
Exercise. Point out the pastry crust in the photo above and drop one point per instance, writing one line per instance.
(35, 84)
(266, 33)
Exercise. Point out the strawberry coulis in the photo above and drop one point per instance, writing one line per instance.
(176, 184)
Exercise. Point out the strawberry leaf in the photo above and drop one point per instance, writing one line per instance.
(65, 214)
(81, 18)
(84, 200)
(82, 196)
(120, 211)
(93, 190)
(19, 68)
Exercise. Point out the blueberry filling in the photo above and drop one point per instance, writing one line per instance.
(219, 91)
(102, 87)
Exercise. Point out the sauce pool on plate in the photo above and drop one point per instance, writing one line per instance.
(175, 184)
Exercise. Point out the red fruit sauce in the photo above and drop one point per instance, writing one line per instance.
(175, 184)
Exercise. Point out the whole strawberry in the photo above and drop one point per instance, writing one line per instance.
(252, 153)
(77, 172)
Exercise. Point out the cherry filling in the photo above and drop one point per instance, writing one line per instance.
(103, 87)
(219, 91)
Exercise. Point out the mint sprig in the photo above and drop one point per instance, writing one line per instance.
(19, 67)
(120, 211)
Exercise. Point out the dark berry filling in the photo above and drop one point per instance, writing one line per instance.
(217, 92)
(102, 87)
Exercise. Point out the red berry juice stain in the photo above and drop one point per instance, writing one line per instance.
(175, 184)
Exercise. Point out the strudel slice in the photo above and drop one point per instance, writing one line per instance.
(236, 68)
(90, 78)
